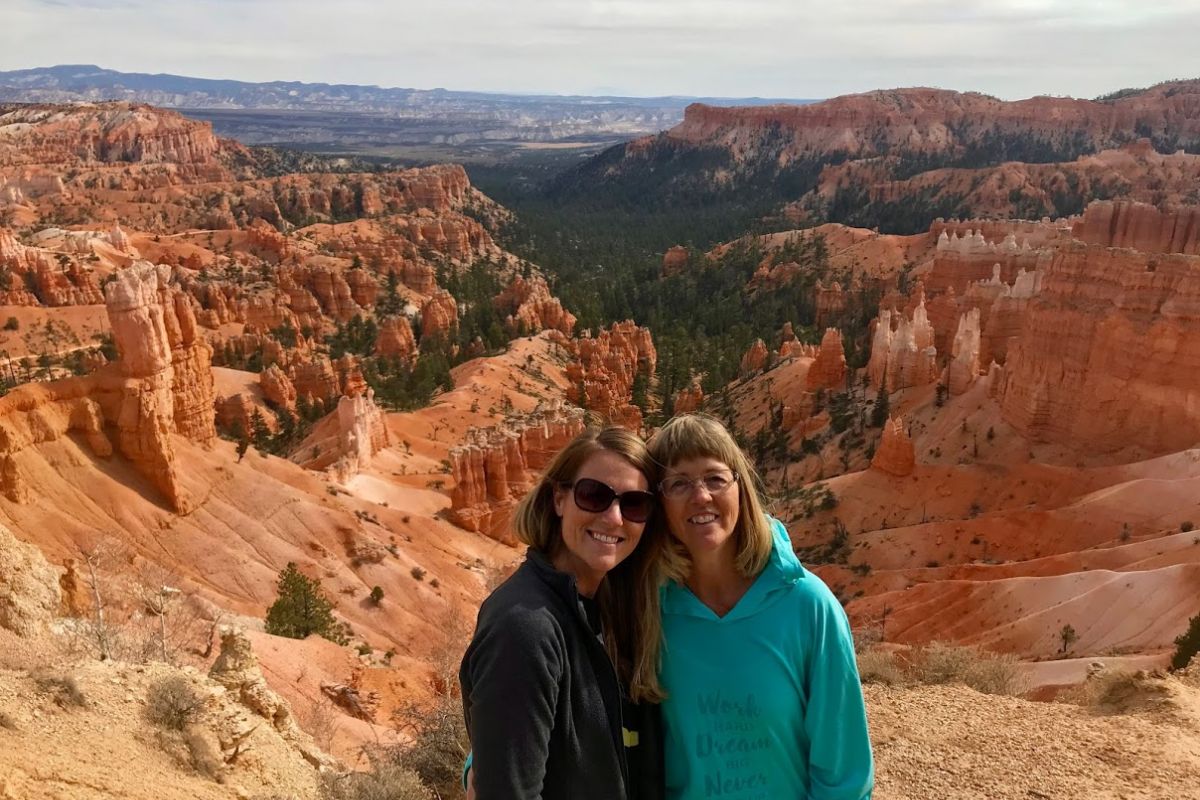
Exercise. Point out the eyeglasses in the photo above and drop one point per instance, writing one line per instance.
(680, 486)
(596, 498)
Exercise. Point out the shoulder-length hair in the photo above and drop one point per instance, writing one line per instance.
(628, 595)
(701, 436)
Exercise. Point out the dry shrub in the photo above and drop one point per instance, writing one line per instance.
(938, 664)
(64, 690)
(1119, 692)
(203, 754)
(438, 741)
(320, 721)
(879, 666)
(997, 673)
(990, 673)
(173, 702)
(383, 782)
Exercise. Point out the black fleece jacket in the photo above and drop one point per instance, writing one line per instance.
(542, 703)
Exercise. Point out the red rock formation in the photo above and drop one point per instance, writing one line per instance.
(674, 261)
(943, 312)
(460, 238)
(930, 120)
(798, 412)
(277, 388)
(689, 399)
(769, 277)
(191, 361)
(602, 379)
(263, 313)
(120, 240)
(1034, 233)
(440, 188)
(959, 263)
(828, 370)
(831, 303)
(364, 289)
(316, 379)
(439, 315)
(418, 276)
(754, 359)
(347, 440)
(396, 339)
(529, 307)
(169, 384)
(56, 281)
(895, 454)
(104, 132)
(964, 360)
(1109, 353)
(322, 282)
(872, 128)
(264, 240)
(492, 470)
(69, 286)
(904, 356)
(352, 381)
(1140, 226)
(786, 334)
(236, 413)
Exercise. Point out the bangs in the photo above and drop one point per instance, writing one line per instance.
(696, 436)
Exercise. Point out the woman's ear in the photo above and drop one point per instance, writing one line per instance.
(560, 497)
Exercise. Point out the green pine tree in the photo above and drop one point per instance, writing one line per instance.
(302, 609)
(882, 408)
(1187, 645)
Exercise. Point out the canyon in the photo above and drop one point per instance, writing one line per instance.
(898, 159)
(219, 359)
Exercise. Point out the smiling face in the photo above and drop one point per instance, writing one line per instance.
(703, 522)
(595, 542)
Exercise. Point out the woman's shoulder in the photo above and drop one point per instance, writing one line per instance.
(522, 603)
(809, 593)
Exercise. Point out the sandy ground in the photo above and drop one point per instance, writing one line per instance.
(108, 750)
(951, 742)
(929, 742)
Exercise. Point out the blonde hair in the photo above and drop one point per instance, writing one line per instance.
(628, 595)
(701, 436)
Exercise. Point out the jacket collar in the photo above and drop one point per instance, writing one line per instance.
(783, 570)
(562, 583)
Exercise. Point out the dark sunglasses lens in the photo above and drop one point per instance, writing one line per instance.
(637, 506)
(596, 497)
(593, 496)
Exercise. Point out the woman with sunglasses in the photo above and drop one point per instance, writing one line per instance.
(763, 697)
(542, 680)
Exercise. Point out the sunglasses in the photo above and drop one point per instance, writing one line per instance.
(595, 497)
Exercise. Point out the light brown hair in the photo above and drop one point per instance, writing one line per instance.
(701, 436)
(628, 595)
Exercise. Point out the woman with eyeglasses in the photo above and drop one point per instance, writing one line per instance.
(762, 692)
(560, 646)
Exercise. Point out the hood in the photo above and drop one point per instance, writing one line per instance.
(783, 570)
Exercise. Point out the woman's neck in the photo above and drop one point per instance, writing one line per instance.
(717, 583)
(587, 582)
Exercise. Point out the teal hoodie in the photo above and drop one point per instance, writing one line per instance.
(764, 703)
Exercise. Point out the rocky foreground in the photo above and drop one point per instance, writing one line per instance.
(952, 742)
(930, 742)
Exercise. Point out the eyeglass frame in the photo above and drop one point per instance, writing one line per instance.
(694, 482)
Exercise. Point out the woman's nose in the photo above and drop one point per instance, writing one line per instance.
(613, 512)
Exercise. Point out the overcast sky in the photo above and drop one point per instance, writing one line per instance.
(734, 48)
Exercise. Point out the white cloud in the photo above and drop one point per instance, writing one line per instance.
(780, 48)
